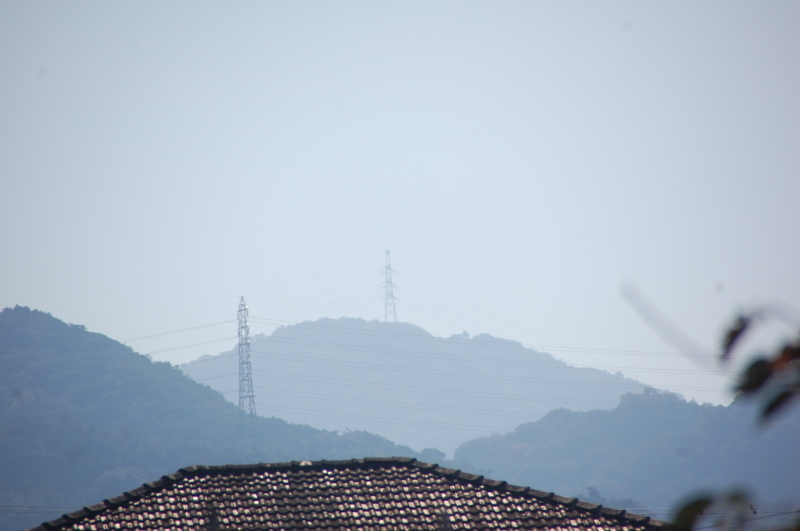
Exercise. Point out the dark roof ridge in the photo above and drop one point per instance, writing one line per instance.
(204, 470)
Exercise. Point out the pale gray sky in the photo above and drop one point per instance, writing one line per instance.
(522, 161)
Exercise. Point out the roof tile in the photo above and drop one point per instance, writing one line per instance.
(372, 493)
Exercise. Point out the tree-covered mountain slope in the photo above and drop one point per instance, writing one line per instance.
(83, 418)
(399, 381)
(654, 447)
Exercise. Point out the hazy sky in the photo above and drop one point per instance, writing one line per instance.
(521, 160)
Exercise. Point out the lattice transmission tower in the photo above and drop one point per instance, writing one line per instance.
(246, 423)
(390, 312)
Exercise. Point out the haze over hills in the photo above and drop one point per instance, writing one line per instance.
(83, 418)
(399, 381)
(86, 418)
(656, 448)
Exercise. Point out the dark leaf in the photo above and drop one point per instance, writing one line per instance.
(735, 332)
(689, 513)
(792, 351)
(789, 354)
(755, 376)
(738, 497)
(775, 404)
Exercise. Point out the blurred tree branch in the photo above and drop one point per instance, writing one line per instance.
(773, 379)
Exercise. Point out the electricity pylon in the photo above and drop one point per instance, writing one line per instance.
(246, 421)
(390, 312)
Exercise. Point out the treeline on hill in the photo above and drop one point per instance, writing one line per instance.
(85, 418)
(651, 451)
(399, 381)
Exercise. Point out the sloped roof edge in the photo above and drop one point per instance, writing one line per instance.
(368, 462)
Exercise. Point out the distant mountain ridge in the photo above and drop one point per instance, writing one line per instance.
(83, 417)
(654, 447)
(399, 381)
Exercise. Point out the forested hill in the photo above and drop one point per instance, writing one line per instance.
(85, 418)
(654, 447)
(399, 381)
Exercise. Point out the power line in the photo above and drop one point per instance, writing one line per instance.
(190, 346)
(548, 347)
(420, 389)
(458, 358)
(734, 423)
(563, 347)
(389, 420)
(749, 519)
(401, 405)
(383, 366)
(411, 370)
(478, 309)
(428, 390)
(178, 331)
(407, 405)
(498, 342)
(474, 342)
(696, 355)
(590, 420)
(603, 422)
(383, 419)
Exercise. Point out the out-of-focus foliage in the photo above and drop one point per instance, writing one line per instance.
(728, 511)
(690, 513)
(731, 512)
(773, 379)
(83, 418)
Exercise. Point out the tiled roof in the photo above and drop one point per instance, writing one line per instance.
(361, 494)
